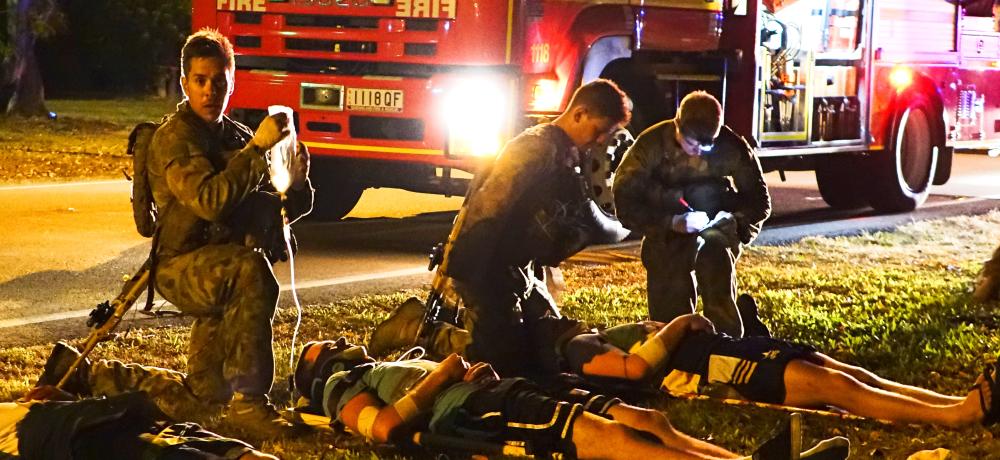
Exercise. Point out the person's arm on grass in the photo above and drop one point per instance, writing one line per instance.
(369, 416)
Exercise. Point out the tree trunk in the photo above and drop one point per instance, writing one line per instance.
(28, 98)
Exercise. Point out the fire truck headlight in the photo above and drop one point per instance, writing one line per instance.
(546, 95)
(477, 113)
(901, 77)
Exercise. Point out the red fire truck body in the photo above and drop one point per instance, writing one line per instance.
(411, 93)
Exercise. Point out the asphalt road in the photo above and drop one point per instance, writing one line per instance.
(67, 247)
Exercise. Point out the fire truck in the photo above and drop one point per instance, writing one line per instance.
(872, 95)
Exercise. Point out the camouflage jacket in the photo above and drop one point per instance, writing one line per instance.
(210, 185)
(503, 199)
(656, 173)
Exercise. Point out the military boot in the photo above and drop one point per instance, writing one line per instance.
(258, 417)
(399, 330)
(63, 356)
(752, 325)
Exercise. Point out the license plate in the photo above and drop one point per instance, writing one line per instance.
(375, 100)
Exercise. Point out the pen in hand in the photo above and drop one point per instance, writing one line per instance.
(684, 203)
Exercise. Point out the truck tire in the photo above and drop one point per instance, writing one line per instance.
(842, 182)
(902, 173)
(334, 199)
(598, 170)
(336, 191)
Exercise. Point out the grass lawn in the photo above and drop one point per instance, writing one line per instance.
(896, 303)
(87, 139)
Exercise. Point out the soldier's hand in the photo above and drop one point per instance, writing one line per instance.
(480, 371)
(700, 323)
(273, 129)
(299, 167)
(690, 222)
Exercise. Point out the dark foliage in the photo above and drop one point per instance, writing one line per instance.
(114, 47)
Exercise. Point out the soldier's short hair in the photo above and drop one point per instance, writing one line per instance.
(207, 43)
(700, 117)
(605, 98)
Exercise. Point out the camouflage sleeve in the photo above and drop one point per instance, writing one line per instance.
(520, 164)
(193, 180)
(641, 202)
(753, 200)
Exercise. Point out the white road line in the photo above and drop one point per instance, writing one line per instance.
(358, 278)
(959, 200)
(43, 318)
(61, 184)
(16, 322)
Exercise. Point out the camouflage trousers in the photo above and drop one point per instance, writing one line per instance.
(166, 388)
(231, 292)
(678, 267)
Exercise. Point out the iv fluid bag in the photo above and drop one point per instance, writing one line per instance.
(280, 156)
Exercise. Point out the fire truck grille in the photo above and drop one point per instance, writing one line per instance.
(339, 67)
(336, 22)
(425, 25)
(244, 17)
(320, 126)
(336, 46)
(385, 128)
(420, 49)
(247, 41)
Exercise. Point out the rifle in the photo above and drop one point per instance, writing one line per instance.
(108, 314)
(442, 297)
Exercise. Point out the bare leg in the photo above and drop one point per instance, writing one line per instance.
(596, 437)
(810, 385)
(657, 424)
(867, 377)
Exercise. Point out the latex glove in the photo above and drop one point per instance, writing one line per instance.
(273, 129)
(723, 215)
(690, 222)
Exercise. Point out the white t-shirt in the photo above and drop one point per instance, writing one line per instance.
(10, 414)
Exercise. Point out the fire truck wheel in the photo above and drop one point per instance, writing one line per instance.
(334, 199)
(903, 171)
(598, 172)
(842, 181)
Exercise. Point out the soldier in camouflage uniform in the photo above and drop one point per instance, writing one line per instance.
(219, 230)
(132, 414)
(511, 225)
(677, 176)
